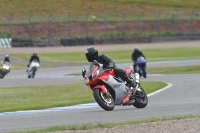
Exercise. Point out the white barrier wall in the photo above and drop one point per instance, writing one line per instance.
(5, 42)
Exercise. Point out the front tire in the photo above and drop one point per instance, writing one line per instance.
(107, 103)
(141, 99)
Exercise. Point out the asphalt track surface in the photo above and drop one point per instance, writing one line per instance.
(180, 98)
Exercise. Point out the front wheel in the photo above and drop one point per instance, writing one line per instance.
(141, 99)
(106, 102)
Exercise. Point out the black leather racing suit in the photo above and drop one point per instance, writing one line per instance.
(33, 58)
(5, 60)
(136, 55)
(108, 63)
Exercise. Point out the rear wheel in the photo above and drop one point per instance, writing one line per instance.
(144, 72)
(141, 99)
(106, 102)
(34, 71)
(33, 74)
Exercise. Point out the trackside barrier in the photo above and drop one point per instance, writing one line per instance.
(76, 41)
(5, 42)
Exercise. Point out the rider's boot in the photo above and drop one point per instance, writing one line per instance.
(133, 87)
(130, 82)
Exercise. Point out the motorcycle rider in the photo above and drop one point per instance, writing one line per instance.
(136, 53)
(92, 54)
(6, 59)
(33, 57)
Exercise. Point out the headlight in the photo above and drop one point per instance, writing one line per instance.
(5, 67)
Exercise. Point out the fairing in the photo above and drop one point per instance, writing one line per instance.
(118, 86)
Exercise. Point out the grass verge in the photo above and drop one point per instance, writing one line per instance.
(195, 69)
(175, 70)
(109, 125)
(124, 56)
(61, 8)
(40, 97)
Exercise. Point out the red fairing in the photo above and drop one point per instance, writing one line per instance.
(104, 77)
(125, 100)
(127, 71)
(111, 72)
(102, 87)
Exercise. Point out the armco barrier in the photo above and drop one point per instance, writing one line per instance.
(103, 40)
(122, 39)
(76, 41)
(16, 42)
(177, 37)
(5, 42)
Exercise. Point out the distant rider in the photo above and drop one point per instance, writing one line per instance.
(135, 55)
(92, 54)
(33, 57)
(6, 59)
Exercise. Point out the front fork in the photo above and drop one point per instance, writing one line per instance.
(102, 87)
(104, 90)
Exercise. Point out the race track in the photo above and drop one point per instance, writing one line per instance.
(182, 98)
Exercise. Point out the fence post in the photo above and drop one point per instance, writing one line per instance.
(123, 23)
(69, 28)
(10, 24)
(49, 26)
(105, 24)
(192, 22)
(29, 26)
(175, 21)
(86, 25)
(158, 22)
(141, 23)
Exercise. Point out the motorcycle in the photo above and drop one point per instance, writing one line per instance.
(33, 68)
(5, 69)
(109, 90)
(141, 67)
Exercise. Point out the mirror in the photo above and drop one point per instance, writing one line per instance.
(96, 63)
(83, 72)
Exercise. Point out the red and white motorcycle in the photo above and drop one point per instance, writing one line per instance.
(109, 90)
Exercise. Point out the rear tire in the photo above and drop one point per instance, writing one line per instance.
(106, 103)
(33, 74)
(141, 99)
(144, 72)
(34, 71)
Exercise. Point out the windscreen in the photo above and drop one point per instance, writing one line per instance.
(92, 67)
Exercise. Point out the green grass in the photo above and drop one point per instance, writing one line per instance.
(61, 8)
(195, 69)
(40, 97)
(108, 125)
(123, 57)
(175, 70)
